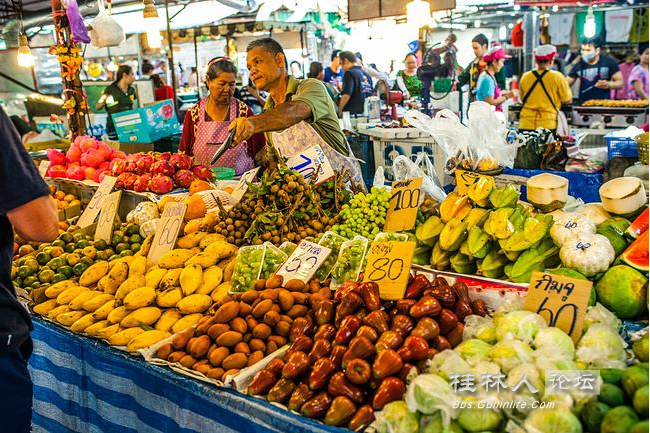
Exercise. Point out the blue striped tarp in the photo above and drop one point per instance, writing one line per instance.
(82, 385)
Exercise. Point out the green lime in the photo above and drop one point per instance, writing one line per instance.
(56, 263)
(28, 281)
(133, 229)
(87, 261)
(36, 285)
(79, 269)
(100, 255)
(100, 244)
(33, 265)
(21, 261)
(119, 233)
(113, 257)
(65, 237)
(116, 239)
(135, 239)
(56, 251)
(109, 252)
(121, 247)
(65, 270)
(42, 258)
(90, 251)
(136, 247)
(77, 237)
(24, 271)
(69, 248)
(18, 282)
(82, 244)
(58, 277)
(78, 251)
(45, 276)
(88, 238)
(73, 259)
(116, 225)
(126, 253)
(58, 243)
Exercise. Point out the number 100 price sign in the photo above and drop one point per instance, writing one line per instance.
(389, 265)
(403, 207)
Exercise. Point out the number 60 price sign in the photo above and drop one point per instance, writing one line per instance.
(389, 265)
(167, 230)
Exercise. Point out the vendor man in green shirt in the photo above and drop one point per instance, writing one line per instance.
(298, 115)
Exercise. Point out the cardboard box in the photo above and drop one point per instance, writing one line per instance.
(147, 124)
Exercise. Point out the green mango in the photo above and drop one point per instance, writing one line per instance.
(478, 242)
(427, 233)
(440, 258)
(506, 196)
(463, 264)
(452, 235)
(498, 224)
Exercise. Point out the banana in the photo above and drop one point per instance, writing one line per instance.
(171, 278)
(129, 285)
(93, 330)
(167, 320)
(222, 249)
(78, 302)
(97, 301)
(212, 277)
(146, 339)
(67, 319)
(146, 246)
(175, 258)
(154, 276)
(108, 331)
(138, 266)
(139, 298)
(194, 304)
(191, 240)
(141, 317)
(169, 298)
(45, 307)
(58, 310)
(81, 324)
(68, 295)
(186, 322)
(122, 338)
(204, 259)
(93, 273)
(55, 289)
(210, 239)
(221, 291)
(191, 278)
(117, 314)
(102, 312)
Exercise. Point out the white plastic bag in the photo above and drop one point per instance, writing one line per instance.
(404, 168)
(104, 30)
(488, 136)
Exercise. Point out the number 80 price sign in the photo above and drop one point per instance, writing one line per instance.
(389, 265)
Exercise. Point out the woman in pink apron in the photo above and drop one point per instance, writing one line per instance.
(487, 89)
(206, 124)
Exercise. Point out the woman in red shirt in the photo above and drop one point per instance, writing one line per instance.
(206, 124)
(161, 91)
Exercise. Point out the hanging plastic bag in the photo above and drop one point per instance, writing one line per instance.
(488, 149)
(404, 168)
(77, 26)
(105, 31)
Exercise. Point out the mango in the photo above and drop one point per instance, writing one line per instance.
(97, 302)
(175, 258)
(122, 338)
(191, 240)
(58, 310)
(138, 266)
(186, 322)
(139, 298)
(141, 317)
(129, 285)
(221, 249)
(117, 314)
(204, 259)
(191, 278)
(93, 273)
(108, 331)
(94, 329)
(194, 304)
(211, 278)
(67, 319)
(452, 235)
(81, 324)
(146, 339)
(78, 302)
(210, 239)
(220, 291)
(167, 320)
(146, 246)
(154, 276)
(169, 298)
(45, 307)
(57, 288)
(68, 295)
(102, 312)
(172, 278)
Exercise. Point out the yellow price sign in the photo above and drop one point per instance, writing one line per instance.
(560, 300)
(95, 204)
(107, 214)
(389, 265)
(168, 228)
(465, 179)
(403, 206)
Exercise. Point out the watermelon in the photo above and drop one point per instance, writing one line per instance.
(639, 226)
(636, 255)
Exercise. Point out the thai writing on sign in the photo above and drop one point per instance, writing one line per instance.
(304, 261)
(167, 230)
(389, 265)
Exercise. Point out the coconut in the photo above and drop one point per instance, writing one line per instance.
(623, 196)
(547, 192)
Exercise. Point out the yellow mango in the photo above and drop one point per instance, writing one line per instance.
(221, 291)
(170, 297)
(186, 322)
(146, 246)
(212, 277)
(139, 298)
(93, 330)
(146, 339)
(108, 286)
(122, 338)
(93, 273)
(191, 278)
(222, 249)
(141, 317)
(81, 324)
(97, 302)
(172, 278)
(67, 319)
(210, 239)
(117, 314)
(175, 258)
(68, 295)
(228, 270)
(154, 276)
(58, 310)
(45, 307)
(191, 240)
(129, 285)
(125, 259)
(204, 259)
(194, 304)
(102, 312)
(138, 266)
(168, 319)
(78, 302)
(55, 289)
(108, 331)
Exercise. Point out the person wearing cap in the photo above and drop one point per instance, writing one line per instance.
(598, 73)
(542, 91)
(487, 88)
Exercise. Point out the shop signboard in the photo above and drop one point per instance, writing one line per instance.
(147, 124)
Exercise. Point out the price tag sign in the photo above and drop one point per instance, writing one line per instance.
(95, 204)
(305, 260)
(107, 214)
(308, 161)
(465, 179)
(167, 231)
(42, 167)
(403, 206)
(560, 300)
(242, 186)
(389, 265)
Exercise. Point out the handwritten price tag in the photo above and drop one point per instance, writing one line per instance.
(304, 261)
(389, 265)
(242, 186)
(308, 161)
(42, 167)
(465, 179)
(95, 204)
(167, 231)
(561, 300)
(403, 207)
(107, 216)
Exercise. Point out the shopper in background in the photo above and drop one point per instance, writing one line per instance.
(629, 62)
(26, 205)
(334, 73)
(471, 73)
(317, 71)
(598, 73)
(296, 70)
(161, 90)
(356, 85)
(407, 79)
(117, 97)
(487, 88)
(253, 97)
(206, 124)
(193, 77)
(542, 92)
(638, 81)
(147, 69)
(371, 71)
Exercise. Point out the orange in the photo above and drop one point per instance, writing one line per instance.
(199, 185)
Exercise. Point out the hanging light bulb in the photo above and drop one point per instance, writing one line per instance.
(503, 32)
(590, 24)
(477, 23)
(418, 13)
(517, 7)
(555, 8)
(151, 24)
(25, 57)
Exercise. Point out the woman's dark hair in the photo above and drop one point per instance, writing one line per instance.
(122, 71)
(147, 67)
(410, 54)
(315, 68)
(219, 65)
(157, 82)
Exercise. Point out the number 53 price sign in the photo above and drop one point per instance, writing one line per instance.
(389, 265)
(304, 261)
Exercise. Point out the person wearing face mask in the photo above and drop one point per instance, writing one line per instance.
(487, 87)
(206, 124)
(598, 73)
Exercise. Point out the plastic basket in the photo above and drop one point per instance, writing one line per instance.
(621, 147)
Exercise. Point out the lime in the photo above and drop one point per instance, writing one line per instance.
(135, 239)
(36, 285)
(58, 277)
(121, 247)
(77, 237)
(65, 237)
(21, 261)
(611, 395)
(42, 258)
(136, 247)
(79, 269)
(133, 229)
(28, 281)
(126, 253)
(82, 244)
(32, 265)
(109, 252)
(100, 244)
(65, 270)
(56, 263)
(73, 259)
(45, 276)
(56, 251)
(116, 239)
(89, 252)
(25, 249)
(113, 257)
(116, 225)
(24, 271)
(69, 248)
(58, 243)
(88, 238)
(119, 233)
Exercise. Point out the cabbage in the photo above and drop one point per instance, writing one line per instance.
(533, 377)
(484, 367)
(477, 419)
(554, 343)
(512, 302)
(520, 325)
(601, 347)
(396, 418)
(510, 353)
(428, 393)
(600, 314)
(473, 350)
(448, 362)
(479, 327)
(552, 421)
(433, 424)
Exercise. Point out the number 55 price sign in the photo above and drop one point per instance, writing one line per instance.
(389, 265)
(304, 261)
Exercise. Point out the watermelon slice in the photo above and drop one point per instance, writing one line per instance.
(639, 226)
(636, 255)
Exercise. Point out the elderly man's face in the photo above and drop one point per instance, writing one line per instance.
(265, 68)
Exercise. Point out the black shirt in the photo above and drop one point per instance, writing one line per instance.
(355, 84)
(21, 184)
(117, 102)
(589, 75)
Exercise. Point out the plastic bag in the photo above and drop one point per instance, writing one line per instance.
(77, 26)
(404, 168)
(105, 31)
(488, 136)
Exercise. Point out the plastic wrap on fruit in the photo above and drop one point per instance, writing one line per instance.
(416, 287)
(414, 348)
(453, 234)
(440, 258)
(389, 340)
(149, 227)
(339, 385)
(454, 206)
(300, 395)
(262, 383)
(281, 391)
(390, 389)
(462, 264)
(534, 230)
(321, 372)
(498, 223)
(363, 417)
(317, 406)
(348, 329)
(427, 233)
(506, 196)
(321, 349)
(378, 320)
(340, 412)
(360, 347)
(480, 190)
(358, 371)
(369, 292)
(532, 260)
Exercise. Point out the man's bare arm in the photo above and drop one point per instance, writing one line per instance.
(36, 220)
(281, 117)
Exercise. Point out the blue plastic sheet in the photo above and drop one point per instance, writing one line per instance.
(581, 185)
